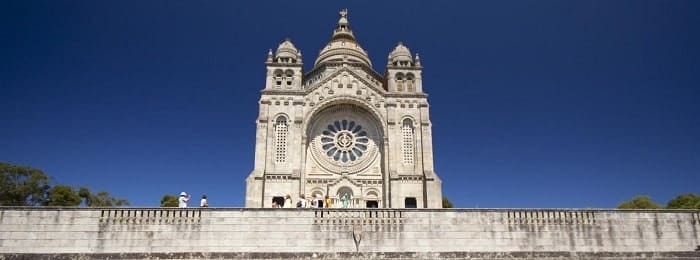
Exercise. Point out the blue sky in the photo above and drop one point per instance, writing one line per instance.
(533, 103)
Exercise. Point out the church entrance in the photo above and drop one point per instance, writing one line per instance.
(372, 204)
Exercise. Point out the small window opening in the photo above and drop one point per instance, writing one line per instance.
(372, 204)
(410, 203)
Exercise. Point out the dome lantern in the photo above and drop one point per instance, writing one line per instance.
(343, 46)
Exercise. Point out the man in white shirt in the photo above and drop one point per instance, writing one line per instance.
(182, 201)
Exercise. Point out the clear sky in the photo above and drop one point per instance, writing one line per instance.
(534, 103)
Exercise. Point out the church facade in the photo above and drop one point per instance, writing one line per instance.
(343, 130)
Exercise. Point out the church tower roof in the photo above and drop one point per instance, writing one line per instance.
(343, 46)
(400, 53)
(287, 53)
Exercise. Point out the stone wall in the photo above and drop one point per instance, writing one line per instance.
(336, 233)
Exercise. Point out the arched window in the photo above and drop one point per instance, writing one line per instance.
(278, 78)
(399, 82)
(408, 139)
(289, 76)
(410, 82)
(281, 139)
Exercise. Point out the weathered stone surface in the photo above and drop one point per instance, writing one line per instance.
(380, 255)
(220, 233)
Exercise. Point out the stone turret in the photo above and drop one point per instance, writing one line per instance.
(403, 73)
(285, 68)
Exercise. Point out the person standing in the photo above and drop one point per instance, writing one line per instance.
(302, 201)
(182, 201)
(288, 201)
(203, 203)
(314, 201)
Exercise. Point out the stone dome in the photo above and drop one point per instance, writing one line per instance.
(286, 49)
(343, 45)
(400, 53)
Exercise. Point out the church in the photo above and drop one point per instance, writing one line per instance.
(343, 130)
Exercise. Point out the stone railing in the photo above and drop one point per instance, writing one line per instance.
(374, 219)
(358, 216)
(554, 217)
(151, 216)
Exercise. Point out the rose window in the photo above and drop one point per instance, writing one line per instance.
(344, 141)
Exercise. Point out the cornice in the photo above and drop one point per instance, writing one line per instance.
(406, 95)
(283, 92)
(275, 64)
(392, 67)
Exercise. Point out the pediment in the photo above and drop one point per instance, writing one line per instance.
(348, 75)
(346, 82)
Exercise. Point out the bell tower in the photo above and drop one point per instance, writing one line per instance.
(284, 68)
(403, 73)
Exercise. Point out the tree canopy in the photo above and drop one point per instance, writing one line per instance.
(446, 203)
(27, 186)
(169, 201)
(62, 195)
(100, 199)
(639, 202)
(22, 186)
(684, 201)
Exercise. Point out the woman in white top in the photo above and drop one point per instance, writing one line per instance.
(288, 201)
(203, 203)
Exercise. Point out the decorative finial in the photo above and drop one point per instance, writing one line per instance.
(269, 55)
(344, 13)
(417, 59)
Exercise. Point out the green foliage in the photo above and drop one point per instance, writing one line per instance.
(169, 201)
(100, 199)
(639, 202)
(22, 186)
(103, 199)
(62, 195)
(446, 203)
(684, 201)
(26, 186)
(84, 193)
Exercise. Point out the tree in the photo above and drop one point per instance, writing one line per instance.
(100, 199)
(22, 185)
(639, 202)
(446, 203)
(684, 201)
(103, 199)
(169, 201)
(62, 195)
